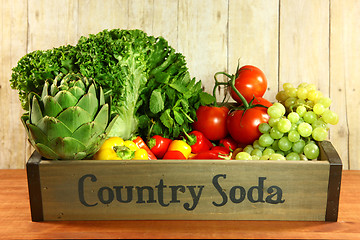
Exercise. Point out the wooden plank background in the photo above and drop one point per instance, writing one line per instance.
(290, 40)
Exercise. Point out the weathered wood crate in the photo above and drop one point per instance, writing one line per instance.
(186, 189)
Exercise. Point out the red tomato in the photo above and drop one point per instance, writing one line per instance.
(244, 128)
(211, 121)
(262, 101)
(250, 82)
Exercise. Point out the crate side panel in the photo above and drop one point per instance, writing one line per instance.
(261, 190)
(34, 187)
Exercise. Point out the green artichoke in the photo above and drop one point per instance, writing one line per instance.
(70, 120)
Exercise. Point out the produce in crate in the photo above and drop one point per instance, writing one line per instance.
(149, 82)
(299, 120)
(70, 119)
(211, 121)
(115, 148)
(250, 82)
(153, 95)
(247, 87)
(159, 145)
(286, 130)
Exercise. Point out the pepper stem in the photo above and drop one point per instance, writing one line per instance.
(191, 140)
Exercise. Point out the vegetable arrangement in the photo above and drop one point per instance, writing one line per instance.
(149, 83)
(124, 95)
(69, 120)
(299, 120)
(285, 130)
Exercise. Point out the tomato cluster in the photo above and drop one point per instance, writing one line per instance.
(241, 122)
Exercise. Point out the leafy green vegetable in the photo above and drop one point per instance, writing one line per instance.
(148, 81)
(34, 68)
(117, 60)
(156, 101)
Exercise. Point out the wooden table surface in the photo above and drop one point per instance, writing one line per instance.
(15, 220)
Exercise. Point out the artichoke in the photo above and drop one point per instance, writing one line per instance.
(70, 120)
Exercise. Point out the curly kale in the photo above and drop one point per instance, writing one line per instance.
(148, 81)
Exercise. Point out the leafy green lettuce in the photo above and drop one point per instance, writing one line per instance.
(148, 81)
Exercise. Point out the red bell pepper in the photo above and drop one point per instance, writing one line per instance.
(141, 144)
(174, 155)
(229, 143)
(198, 142)
(159, 145)
(211, 154)
(221, 148)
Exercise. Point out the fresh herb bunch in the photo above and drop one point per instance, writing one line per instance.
(150, 85)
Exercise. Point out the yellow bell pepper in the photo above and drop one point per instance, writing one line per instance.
(106, 154)
(112, 142)
(181, 146)
(115, 148)
(131, 145)
(141, 154)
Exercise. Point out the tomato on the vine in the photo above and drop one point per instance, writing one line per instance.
(250, 82)
(244, 127)
(211, 121)
(262, 101)
(247, 87)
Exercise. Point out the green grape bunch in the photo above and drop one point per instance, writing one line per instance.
(299, 120)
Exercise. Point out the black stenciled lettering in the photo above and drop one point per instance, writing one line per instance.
(260, 191)
(81, 189)
(274, 191)
(129, 190)
(160, 188)
(242, 194)
(105, 198)
(140, 193)
(220, 190)
(195, 197)
(174, 190)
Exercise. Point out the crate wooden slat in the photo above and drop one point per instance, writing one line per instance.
(186, 189)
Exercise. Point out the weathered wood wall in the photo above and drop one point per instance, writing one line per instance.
(290, 40)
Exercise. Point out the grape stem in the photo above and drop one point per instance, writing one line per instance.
(297, 105)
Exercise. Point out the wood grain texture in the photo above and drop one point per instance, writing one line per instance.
(86, 190)
(15, 220)
(94, 16)
(304, 43)
(186, 189)
(202, 38)
(13, 43)
(51, 24)
(253, 38)
(291, 41)
(345, 59)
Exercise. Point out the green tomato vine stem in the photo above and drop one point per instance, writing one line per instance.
(243, 100)
(231, 83)
(218, 84)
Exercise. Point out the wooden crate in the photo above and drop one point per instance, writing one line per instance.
(186, 189)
